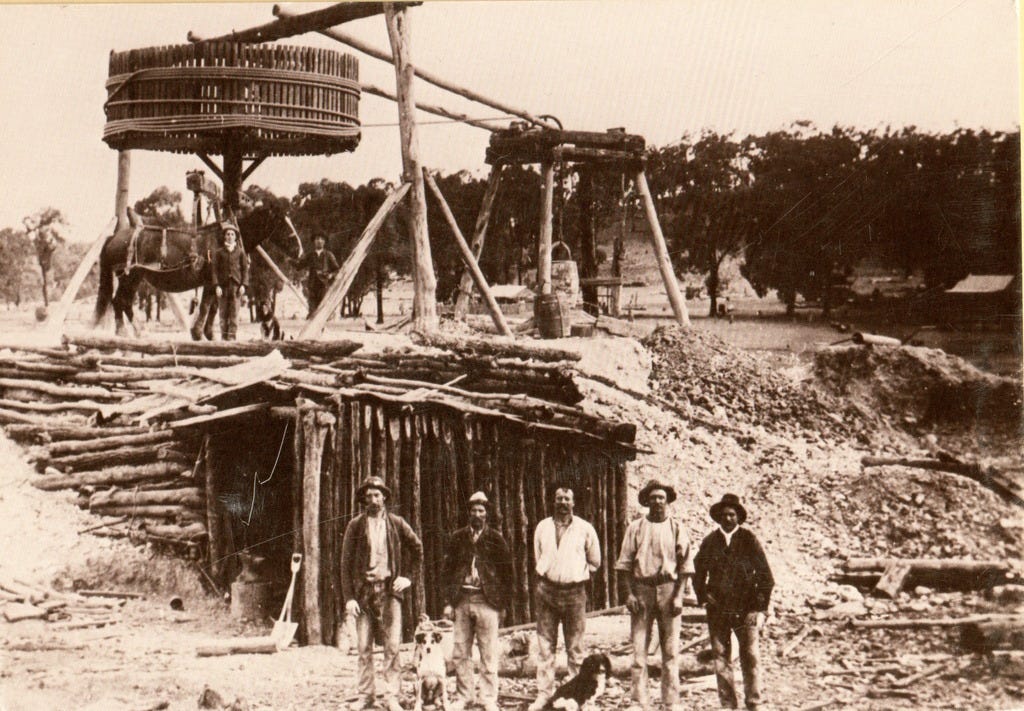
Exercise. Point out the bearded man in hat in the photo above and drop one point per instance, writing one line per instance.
(378, 555)
(654, 564)
(734, 582)
(478, 572)
(567, 551)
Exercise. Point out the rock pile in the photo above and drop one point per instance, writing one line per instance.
(694, 369)
(914, 385)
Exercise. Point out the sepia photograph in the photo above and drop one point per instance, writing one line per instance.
(528, 355)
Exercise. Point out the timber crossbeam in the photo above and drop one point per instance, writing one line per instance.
(518, 146)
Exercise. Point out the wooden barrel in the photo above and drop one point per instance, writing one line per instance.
(269, 99)
(551, 318)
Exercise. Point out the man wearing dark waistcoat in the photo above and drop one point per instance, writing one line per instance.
(230, 279)
(321, 265)
(379, 553)
(734, 582)
(478, 573)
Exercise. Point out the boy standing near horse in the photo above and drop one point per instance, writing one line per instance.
(230, 279)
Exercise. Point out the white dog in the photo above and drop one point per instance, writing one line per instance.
(431, 689)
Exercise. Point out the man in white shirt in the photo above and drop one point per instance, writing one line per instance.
(567, 551)
(655, 563)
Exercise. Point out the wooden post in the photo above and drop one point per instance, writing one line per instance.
(347, 274)
(179, 313)
(59, 313)
(124, 165)
(544, 241)
(315, 424)
(214, 531)
(588, 248)
(477, 244)
(281, 275)
(424, 281)
(668, 276)
(232, 175)
(467, 258)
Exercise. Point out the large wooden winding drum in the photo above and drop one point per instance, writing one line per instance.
(233, 98)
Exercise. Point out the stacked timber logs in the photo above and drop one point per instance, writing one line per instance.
(21, 600)
(891, 575)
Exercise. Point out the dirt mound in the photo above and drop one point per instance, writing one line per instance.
(920, 385)
(695, 369)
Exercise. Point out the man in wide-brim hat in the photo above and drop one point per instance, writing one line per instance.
(734, 582)
(379, 554)
(654, 564)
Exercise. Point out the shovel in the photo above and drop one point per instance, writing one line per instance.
(284, 628)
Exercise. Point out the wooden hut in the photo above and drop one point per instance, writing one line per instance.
(271, 445)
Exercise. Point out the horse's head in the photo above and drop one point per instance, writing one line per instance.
(270, 224)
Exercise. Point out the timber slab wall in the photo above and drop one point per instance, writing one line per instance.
(222, 448)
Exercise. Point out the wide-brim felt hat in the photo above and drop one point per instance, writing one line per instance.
(670, 493)
(373, 482)
(731, 501)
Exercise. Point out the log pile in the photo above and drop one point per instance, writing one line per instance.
(485, 412)
(890, 576)
(22, 600)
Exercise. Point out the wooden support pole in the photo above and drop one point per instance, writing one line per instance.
(347, 274)
(315, 425)
(588, 244)
(124, 165)
(251, 168)
(232, 176)
(668, 275)
(176, 309)
(468, 259)
(59, 314)
(281, 275)
(480, 230)
(426, 76)
(424, 304)
(544, 241)
(211, 165)
(429, 108)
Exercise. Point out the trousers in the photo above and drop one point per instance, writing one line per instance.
(229, 313)
(475, 618)
(556, 605)
(721, 626)
(655, 606)
(383, 611)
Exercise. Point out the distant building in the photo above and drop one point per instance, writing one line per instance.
(985, 297)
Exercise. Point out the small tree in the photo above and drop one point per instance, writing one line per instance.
(16, 254)
(45, 230)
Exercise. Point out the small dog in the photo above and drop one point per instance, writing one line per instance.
(430, 667)
(270, 327)
(585, 688)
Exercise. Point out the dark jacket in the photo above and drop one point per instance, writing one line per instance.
(321, 267)
(230, 268)
(493, 565)
(736, 578)
(405, 551)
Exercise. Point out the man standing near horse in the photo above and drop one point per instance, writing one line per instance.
(230, 279)
(379, 553)
(322, 266)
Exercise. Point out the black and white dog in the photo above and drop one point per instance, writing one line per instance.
(270, 327)
(583, 690)
(430, 667)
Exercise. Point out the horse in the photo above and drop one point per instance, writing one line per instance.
(177, 259)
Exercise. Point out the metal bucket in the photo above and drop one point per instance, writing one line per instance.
(565, 276)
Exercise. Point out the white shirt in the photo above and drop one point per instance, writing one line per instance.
(728, 536)
(377, 535)
(570, 560)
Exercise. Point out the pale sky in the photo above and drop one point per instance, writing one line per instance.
(658, 68)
